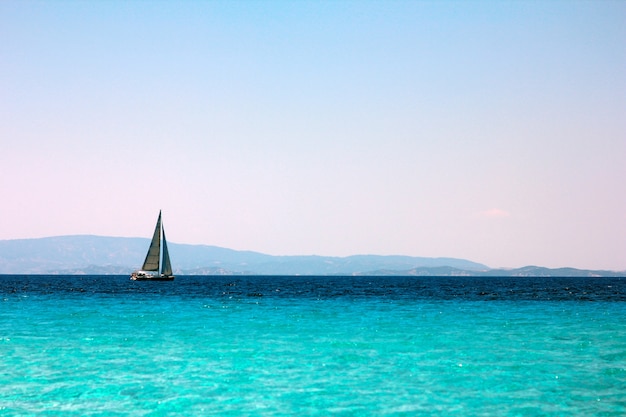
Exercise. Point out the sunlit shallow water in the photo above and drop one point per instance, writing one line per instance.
(276, 346)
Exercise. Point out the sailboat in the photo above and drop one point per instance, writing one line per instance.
(150, 269)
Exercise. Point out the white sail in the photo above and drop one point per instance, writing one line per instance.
(152, 258)
(167, 265)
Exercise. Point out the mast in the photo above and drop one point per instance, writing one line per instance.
(167, 265)
(152, 258)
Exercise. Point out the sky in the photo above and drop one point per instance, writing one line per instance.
(492, 131)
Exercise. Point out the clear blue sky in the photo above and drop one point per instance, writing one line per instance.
(491, 131)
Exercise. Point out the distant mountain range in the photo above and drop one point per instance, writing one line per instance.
(100, 255)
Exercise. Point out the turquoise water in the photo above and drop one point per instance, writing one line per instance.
(278, 346)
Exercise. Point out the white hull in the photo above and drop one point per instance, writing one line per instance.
(150, 277)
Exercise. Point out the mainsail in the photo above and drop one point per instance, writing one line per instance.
(152, 258)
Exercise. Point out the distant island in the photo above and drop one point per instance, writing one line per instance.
(101, 255)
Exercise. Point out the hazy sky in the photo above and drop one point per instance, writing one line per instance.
(491, 131)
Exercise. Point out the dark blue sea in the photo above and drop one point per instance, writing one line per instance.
(313, 346)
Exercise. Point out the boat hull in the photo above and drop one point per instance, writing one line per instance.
(145, 276)
(170, 278)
